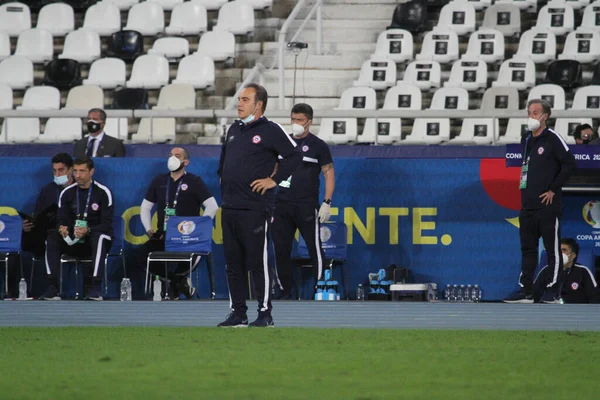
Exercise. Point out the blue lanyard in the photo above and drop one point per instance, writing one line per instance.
(87, 203)
(176, 193)
(525, 149)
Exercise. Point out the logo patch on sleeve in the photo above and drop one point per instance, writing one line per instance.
(256, 139)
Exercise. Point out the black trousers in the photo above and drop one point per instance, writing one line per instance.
(245, 246)
(180, 271)
(287, 218)
(95, 247)
(533, 224)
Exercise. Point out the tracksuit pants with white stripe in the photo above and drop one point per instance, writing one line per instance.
(287, 218)
(95, 247)
(245, 246)
(533, 224)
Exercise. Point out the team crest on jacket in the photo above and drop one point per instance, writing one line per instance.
(305, 148)
(574, 285)
(95, 206)
(256, 139)
(184, 187)
(540, 150)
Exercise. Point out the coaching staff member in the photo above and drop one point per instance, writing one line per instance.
(547, 164)
(248, 158)
(297, 204)
(98, 143)
(177, 193)
(85, 229)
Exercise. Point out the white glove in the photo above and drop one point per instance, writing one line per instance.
(324, 212)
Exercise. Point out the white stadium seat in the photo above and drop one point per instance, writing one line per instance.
(4, 45)
(146, 18)
(16, 72)
(218, 45)
(395, 44)
(188, 18)
(35, 44)
(123, 4)
(425, 75)
(259, 4)
(500, 98)
(26, 130)
(468, 73)
(108, 73)
(210, 5)
(236, 17)
(85, 97)
(479, 131)
(553, 94)
(196, 70)
(578, 4)
(582, 45)
(556, 16)
(82, 45)
(167, 4)
(521, 4)
(117, 127)
(61, 130)
(458, 16)
(171, 48)
(56, 18)
(587, 98)
(177, 97)
(103, 17)
(149, 72)
(378, 73)
(591, 16)
(505, 18)
(516, 72)
(15, 18)
(440, 44)
(538, 44)
(480, 4)
(6, 97)
(515, 128)
(486, 45)
(41, 98)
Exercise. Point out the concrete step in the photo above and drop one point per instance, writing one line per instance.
(317, 103)
(341, 35)
(354, 11)
(311, 61)
(311, 83)
(337, 23)
(328, 48)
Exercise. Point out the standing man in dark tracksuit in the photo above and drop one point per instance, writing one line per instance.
(246, 170)
(85, 229)
(297, 204)
(547, 164)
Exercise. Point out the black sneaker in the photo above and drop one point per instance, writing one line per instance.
(50, 294)
(264, 320)
(185, 286)
(234, 321)
(94, 294)
(549, 297)
(519, 297)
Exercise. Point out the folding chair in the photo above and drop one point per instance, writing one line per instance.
(334, 241)
(187, 239)
(10, 244)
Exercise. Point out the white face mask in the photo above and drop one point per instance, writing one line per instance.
(298, 130)
(533, 124)
(61, 180)
(174, 163)
(565, 258)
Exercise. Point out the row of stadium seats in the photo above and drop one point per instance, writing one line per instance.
(123, 5)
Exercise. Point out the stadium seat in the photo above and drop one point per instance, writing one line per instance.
(56, 18)
(440, 44)
(130, 99)
(500, 98)
(515, 129)
(553, 94)
(196, 70)
(62, 74)
(16, 72)
(15, 18)
(505, 18)
(403, 96)
(582, 45)
(395, 44)
(26, 130)
(20, 130)
(85, 97)
(587, 98)
(516, 72)
(486, 45)
(108, 73)
(177, 97)
(146, 18)
(103, 17)
(41, 98)
(591, 16)
(36, 45)
(5, 50)
(61, 130)
(345, 130)
(565, 73)
(425, 75)
(539, 44)
(117, 127)
(479, 5)
(437, 130)
(411, 16)
(521, 4)
(479, 131)
(556, 16)
(578, 4)
(459, 16)
(565, 127)
(259, 4)
(149, 72)
(123, 5)
(236, 17)
(78, 5)
(188, 18)
(82, 45)
(172, 48)
(378, 73)
(6, 97)
(167, 5)
(210, 5)
(155, 130)
(126, 45)
(218, 45)
(468, 73)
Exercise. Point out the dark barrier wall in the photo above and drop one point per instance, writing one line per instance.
(447, 220)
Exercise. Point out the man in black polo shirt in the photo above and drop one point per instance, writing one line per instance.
(248, 159)
(547, 164)
(297, 204)
(85, 229)
(177, 193)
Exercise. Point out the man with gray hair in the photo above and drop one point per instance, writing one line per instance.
(98, 143)
(547, 164)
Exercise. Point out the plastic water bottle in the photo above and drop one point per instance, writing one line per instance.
(468, 293)
(448, 293)
(460, 296)
(156, 289)
(125, 289)
(360, 293)
(476, 295)
(454, 293)
(22, 289)
(128, 290)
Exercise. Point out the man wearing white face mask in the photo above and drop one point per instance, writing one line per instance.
(98, 143)
(177, 193)
(577, 282)
(547, 164)
(297, 205)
